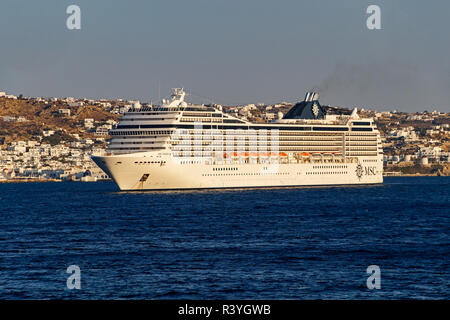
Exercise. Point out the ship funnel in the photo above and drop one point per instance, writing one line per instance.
(309, 109)
(311, 96)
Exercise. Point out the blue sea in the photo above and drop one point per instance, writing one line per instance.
(298, 243)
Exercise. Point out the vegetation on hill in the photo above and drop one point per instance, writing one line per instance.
(57, 137)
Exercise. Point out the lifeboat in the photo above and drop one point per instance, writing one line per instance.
(230, 154)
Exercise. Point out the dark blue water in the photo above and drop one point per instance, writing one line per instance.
(304, 243)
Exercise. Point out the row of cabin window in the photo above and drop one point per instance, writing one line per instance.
(332, 172)
(247, 127)
(191, 162)
(140, 133)
(330, 167)
(244, 174)
(148, 162)
(141, 148)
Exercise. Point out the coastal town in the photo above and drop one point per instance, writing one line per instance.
(52, 139)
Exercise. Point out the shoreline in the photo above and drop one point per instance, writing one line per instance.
(414, 175)
(102, 180)
(47, 180)
(399, 174)
(30, 180)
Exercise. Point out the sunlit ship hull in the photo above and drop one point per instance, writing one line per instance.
(128, 174)
(181, 146)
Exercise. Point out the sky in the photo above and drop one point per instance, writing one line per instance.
(231, 51)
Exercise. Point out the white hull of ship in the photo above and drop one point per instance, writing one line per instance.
(135, 172)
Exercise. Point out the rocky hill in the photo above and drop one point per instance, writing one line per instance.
(32, 117)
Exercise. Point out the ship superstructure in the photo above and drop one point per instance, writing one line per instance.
(179, 145)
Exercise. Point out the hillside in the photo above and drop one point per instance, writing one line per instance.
(45, 116)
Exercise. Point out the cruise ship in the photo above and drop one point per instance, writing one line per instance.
(180, 145)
